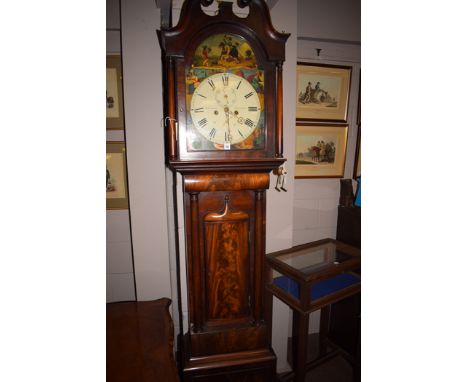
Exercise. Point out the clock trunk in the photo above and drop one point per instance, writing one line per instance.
(230, 312)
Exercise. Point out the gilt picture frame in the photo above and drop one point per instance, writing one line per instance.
(114, 100)
(116, 176)
(320, 150)
(357, 156)
(322, 92)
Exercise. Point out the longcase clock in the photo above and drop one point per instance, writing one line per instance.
(223, 105)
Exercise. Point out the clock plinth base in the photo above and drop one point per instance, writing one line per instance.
(247, 366)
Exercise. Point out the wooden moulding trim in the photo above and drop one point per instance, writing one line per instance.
(314, 305)
(171, 109)
(352, 250)
(259, 253)
(176, 39)
(196, 267)
(279, 111)
(235, 338)
(226, 181)
(187, 167)
(334, 297)
(231, 359)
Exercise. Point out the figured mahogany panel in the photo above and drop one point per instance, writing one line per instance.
(213, 251)
(227, 260)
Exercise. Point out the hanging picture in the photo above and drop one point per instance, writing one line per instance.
(116, 176)
(322, 92)
(357, 157)
(320, 150)
(114, 105)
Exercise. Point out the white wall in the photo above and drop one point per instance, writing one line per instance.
(145, 148)
(112, 14)
(119, 268)
(120, 285)
(279, 232)
(330, 20)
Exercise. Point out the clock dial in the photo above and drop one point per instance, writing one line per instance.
(224, 96)
(225, 108)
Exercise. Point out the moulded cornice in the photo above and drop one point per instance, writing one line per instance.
(258, 21)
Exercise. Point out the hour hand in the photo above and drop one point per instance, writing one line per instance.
(227, 112)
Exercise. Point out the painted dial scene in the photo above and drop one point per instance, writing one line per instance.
(224, 96)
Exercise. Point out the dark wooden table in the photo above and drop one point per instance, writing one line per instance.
(140, 341)
(309, 277)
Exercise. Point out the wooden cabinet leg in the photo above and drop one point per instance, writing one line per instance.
(324, 329)
(300, 339)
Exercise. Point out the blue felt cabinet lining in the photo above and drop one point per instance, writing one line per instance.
(321, 288)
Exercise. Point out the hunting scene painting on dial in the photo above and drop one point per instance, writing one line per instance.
(238, 93)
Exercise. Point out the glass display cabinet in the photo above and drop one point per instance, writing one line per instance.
(309, 277)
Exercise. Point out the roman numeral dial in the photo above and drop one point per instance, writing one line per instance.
(225, 108)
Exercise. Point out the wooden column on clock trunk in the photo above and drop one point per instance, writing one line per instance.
(225, 182)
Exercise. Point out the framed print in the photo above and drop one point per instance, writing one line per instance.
(358, 118)
(116, 176)
(357, 156)
(322, 92)
(114, 105)
(320, 150)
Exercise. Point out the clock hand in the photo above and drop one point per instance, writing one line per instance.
(239, 119)
(226, 112)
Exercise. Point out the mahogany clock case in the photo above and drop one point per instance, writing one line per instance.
(224, 188)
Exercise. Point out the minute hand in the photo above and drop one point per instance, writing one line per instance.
(240, 119)
(228, 138)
